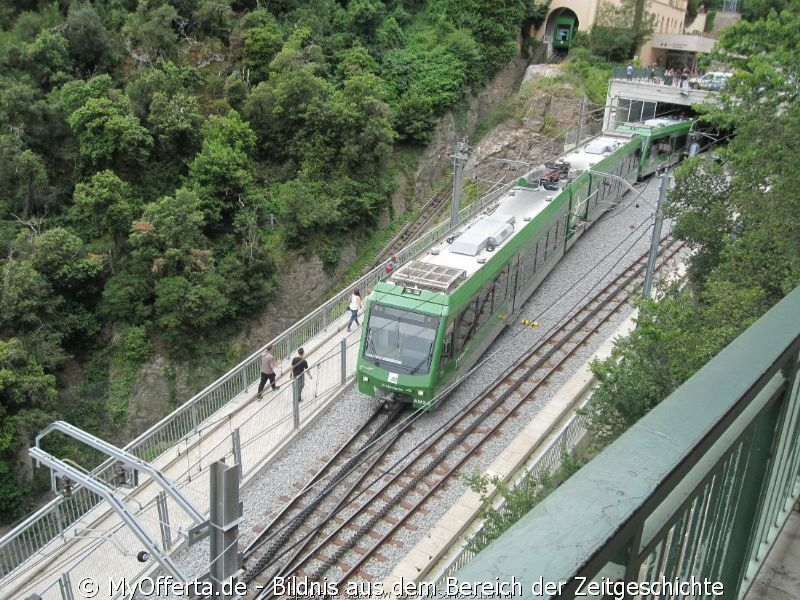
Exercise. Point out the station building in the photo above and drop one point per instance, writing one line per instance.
(675, 43)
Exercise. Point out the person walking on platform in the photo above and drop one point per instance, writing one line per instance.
(356, 304)
(268, 365)
(299, 372)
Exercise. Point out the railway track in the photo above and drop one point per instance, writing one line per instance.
(488, 176)
(272, 554)
(344, 544)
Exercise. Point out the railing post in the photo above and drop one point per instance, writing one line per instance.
(59, 520)
(163, 519)
(243, 376)
(65, 586)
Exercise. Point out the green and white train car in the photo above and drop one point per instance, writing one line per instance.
(666, 142)
(435, 316)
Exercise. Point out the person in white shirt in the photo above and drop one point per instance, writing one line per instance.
(356, 304)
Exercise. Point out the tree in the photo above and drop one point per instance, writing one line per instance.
(104, 206)
(62, 258)
(90, 44)
(26, 298)
(186, 305)
(222, 169)
(259, 46)
(765, 199)
(151, 34)
(621, 28)
(165, 78)
(74, 94)
(757, 10)
(742, 219)
(414, 118)
(279, 109)
(213, 18)
(174, 122)
(109, 135)
(360, 122)
(27, 404)
(494, 25)
(672, 340)
(27, 184)
(169, 229)
(365, 17)
(47, 60)
(705, 214)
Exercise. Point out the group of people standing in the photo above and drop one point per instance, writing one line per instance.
(299, 365)
(678, 77)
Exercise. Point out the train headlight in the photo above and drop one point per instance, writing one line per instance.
(364, 378)
(420, 392)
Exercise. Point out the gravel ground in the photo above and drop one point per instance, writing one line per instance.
(613, 242)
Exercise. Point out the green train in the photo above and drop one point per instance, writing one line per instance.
(433, 318)
(564, 28)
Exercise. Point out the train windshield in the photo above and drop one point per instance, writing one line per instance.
(400, 340)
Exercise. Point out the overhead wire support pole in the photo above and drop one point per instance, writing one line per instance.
(226, 514)
(459, 160)
(659, 219)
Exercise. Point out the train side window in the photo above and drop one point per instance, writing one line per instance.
(541, 253)
(501, 286)
(552, 238)
(530, 262)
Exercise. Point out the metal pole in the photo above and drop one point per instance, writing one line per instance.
(225, 514)
(296, 400)
(343, 350)
(651, 259)
(581, 117)
(459, 160)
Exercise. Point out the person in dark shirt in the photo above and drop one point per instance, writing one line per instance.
(299, 372)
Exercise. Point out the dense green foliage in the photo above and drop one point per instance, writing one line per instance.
(145, 147)
(740, 217)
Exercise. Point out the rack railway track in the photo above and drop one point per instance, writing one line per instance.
(287, 536)
(489, 182)
(343, 545)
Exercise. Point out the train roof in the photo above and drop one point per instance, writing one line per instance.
(650, 127)
(444, 266)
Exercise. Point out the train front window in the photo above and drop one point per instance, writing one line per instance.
(400, 340)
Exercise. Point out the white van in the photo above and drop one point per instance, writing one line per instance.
(713, 80)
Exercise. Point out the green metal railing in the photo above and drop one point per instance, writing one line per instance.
(689, 501)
